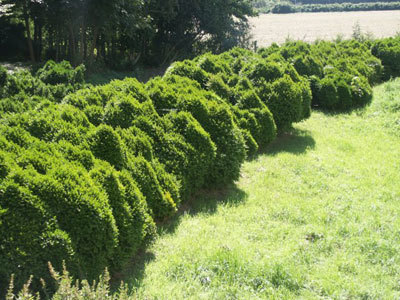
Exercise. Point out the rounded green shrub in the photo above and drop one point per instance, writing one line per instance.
(3, 78)
(215, 116)
(60, 73)
(243, 84)
(217, 120)
(290, 70)
(53, 124)
(132, 87)
(89, 96)
(76, 154)
(326, 95)
(260, 124)
(204, 148)
(180, 83)
(17, 135)
(246, 120)
(212, 64)
(81, 209)
(106, 144)
(30, 238)
(267, 128)
(121, 111)
(263, 70)
(23, 82)
(361, 91)
(72, 115)
(94, 114)
(59, 91)
(306, 99)
(308, 65)
(285, 102)
(40, 161)
(164, 98)
(345, 100)
(152, 129)
(129, 208)
(137, 142)
(251, 144)
(190, 70)
(5, 164)
(169, 183)
(178, 156)
(249, 99)
(388, 51)
(158, 200)
(16, 104)
(266, 52)
(219, 87)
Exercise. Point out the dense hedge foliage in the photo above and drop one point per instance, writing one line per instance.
(340, 74)
(388, 51)
(86, 171)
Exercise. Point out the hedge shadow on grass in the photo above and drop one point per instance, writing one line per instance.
(206, 202)
(296, 141)
(341, 112)
(133, 272)
(203, 202)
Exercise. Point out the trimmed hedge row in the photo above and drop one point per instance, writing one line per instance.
(91, 171)
(340, 74)
(388, 51)
(87, 170)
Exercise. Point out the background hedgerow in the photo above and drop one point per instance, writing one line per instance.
(285, 7)
(333, 70)
(388, 51)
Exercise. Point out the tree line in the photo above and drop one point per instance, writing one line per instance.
(122, 32)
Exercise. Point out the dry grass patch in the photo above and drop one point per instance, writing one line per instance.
(269, 28)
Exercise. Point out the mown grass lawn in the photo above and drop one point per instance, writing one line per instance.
(317, 216)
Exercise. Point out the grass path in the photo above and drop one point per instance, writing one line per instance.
(315, 217)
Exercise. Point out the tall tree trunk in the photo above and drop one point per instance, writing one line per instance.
(103, 47)
(40, 49)
(93, 45)
(28, 35)
(113, 52)
(82, 42)
(51, 47)
(35, 37)
(57, 48)
(72, 47)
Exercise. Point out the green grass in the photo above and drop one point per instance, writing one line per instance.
(314, 217)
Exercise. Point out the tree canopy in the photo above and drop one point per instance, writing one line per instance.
(122, 32)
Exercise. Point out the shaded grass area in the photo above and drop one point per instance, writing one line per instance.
(297, 141)
(314, 217)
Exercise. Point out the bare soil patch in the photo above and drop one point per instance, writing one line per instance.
(269, 28)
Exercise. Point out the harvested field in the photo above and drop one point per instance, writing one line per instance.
(269, 28)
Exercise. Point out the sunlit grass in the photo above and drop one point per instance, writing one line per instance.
(314, 217)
